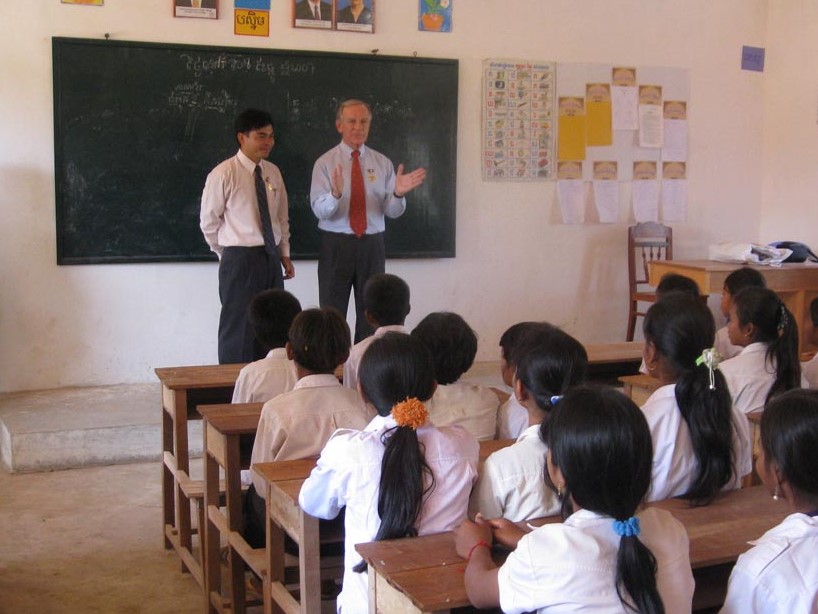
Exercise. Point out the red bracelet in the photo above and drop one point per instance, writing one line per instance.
(480, 543)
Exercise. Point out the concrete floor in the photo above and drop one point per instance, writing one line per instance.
(89, 540)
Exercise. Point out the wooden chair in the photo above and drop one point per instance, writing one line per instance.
(647, 241)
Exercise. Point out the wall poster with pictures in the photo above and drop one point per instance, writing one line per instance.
(342, 15)
(204, 9)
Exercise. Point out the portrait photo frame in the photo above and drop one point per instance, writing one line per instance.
(201, 9)
(355, 16)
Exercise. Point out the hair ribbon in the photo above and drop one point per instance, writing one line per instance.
(626, 528)
(710, 358)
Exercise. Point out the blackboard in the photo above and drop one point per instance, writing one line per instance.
(137, 127)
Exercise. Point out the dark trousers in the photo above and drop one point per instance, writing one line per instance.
(345, 263)
(243, 273)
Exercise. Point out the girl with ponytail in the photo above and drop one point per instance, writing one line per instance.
(607, 555)
(701, 443)
(768, 363)
(419, 476)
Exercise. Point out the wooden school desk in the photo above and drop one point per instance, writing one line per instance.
(229, 433)
(183, 388)
(639, 387)
(796, 284)
(284, 480)
(425, 574)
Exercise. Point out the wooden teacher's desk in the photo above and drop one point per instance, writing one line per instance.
(795, 283)
(425, 574)
(183, 389)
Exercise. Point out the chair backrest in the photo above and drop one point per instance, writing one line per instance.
(647, 241)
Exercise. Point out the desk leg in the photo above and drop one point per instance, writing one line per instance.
(168, 516)
(235, 522)
(275, 558)
(310, 574)
(212, 551)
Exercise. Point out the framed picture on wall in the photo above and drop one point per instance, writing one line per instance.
(88, 2)
(355, 15)
(312, 14)
(204, 9)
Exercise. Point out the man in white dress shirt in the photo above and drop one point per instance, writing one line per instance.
(232, 224)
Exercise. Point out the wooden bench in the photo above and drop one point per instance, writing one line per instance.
(183, 389)
(425, 574)
(639, 387)
(229, 433)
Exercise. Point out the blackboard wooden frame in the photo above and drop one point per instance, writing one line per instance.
(137, 127)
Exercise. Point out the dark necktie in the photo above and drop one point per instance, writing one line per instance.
(264, 212)
(357, 197)
(316, 11)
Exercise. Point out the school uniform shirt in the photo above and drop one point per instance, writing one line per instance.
(780, 573)
(571, 567)
(229, 215)
(723, 346)
(512, 419)
(750, 376)
(674, 462)
(472, 406)
(356, 353)
(511, 482)
(809, 372)
(379, 185)
(348, 474)
(260, 381)
(298, 423)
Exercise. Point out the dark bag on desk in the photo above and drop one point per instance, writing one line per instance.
(800, 252)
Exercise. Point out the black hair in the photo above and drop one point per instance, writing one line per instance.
(745, 277)
(271, 313)
(681, 328)
(774, 325)
(789, 438)
(396, 367)
(252, 119)
(549, 362)
(319, 339)
(600, 441)
(673, 282)
(813, 311)
(451, 341)
(386, 298)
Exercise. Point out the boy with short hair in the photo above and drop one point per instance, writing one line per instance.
(386, 305)
(271, 313)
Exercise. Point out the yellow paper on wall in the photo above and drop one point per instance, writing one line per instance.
(251, 23)
(598, 113)
(571, 129)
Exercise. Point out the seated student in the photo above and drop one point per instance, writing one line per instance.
(453, 345)
(271, 312)
(298, 423)
(610, 554)
(768, 363)
(511, 483)
(386, 305)
(780, 572)
(673, 282)
(745, 277)
(512, 417)
(701, 443)
(810, 369)
(401, 476)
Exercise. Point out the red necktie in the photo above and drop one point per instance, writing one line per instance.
(357, 197)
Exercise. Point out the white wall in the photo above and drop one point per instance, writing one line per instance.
(87, 325)
(790, 192)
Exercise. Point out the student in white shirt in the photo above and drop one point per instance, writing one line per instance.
(745, 277)
(701, 444)
(298, 423)
(768, 363)
(809, 370)
(386, 305)
(271, 313)
(512, 417)
(607, 556)
(511, 483)
(401, 476)
(780, 572)
(453, 345)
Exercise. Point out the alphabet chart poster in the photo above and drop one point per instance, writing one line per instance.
(518, 120)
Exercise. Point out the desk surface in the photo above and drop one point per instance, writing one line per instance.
(710, 274)
(203, 376)
(430, 573)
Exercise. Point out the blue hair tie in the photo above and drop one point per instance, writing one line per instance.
(555, 399)
(626, 528)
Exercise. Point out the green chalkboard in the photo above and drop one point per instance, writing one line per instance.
(137, 127)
